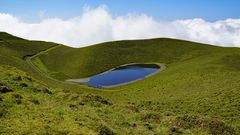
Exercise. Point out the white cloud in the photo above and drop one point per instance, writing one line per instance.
(98, 25)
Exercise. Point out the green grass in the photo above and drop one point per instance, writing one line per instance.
(13, 49)
(22, 47)
(197, 93)
(91, 60)
(30, 108)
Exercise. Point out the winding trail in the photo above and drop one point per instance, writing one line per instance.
(28, 59)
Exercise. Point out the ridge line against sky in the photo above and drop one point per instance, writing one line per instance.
(101, 24)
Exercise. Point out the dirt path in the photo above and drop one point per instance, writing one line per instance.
(28, 59)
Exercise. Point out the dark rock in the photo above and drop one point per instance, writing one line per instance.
(23, 85)
(72, 106)
(2, 84)
(103, 130)
(81, 104)
(19, 78)
(37, 90)
(133, 125)
(18, 101)
(105, 102)
(5, 90)
(46, 90)
(17, 96)
(174, 130)
(148, 126)
(96, 99)
(101, 100)
(168, 113)
(220, 128)
(29, 79)
(35, 101)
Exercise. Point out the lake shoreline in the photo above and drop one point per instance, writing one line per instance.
(160, 67)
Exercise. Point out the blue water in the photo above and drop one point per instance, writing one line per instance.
(121, 75)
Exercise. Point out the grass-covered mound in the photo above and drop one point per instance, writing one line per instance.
(13, 50)
(87, 61)
(30, 106)
(197, 93)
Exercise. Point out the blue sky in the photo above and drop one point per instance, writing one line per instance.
(210, 10)
(68, 22)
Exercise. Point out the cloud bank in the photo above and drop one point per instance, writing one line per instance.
(98, 25)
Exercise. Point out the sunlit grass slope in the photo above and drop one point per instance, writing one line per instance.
(94, 59)
(199, 78)
(13, 49)
(29, 106)
(197, 93)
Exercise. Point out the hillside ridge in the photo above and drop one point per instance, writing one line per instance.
(197, 93)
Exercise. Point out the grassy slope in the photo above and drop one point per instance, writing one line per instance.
(199, 78)
(91, 60)
(197, 91)
(34, 108)
(13, 49)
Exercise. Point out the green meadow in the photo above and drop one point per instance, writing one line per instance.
(197, 93)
